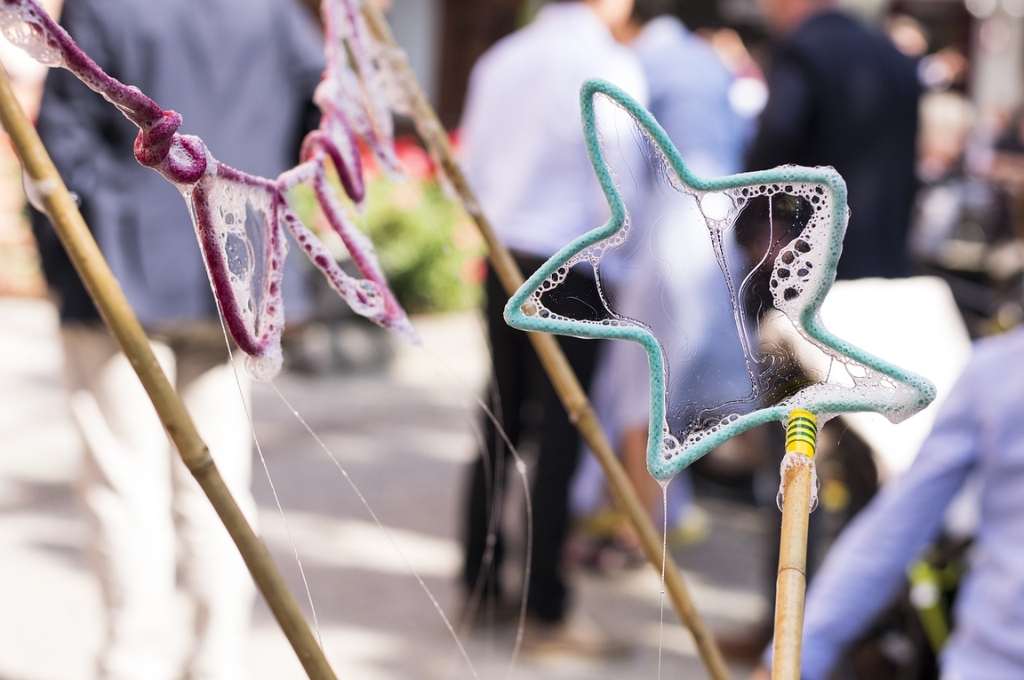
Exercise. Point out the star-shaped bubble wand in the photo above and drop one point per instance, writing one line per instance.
(776, 237)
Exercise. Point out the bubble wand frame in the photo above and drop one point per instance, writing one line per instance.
(882, 387)
(254, 321)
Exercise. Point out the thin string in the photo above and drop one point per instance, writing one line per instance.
(494, 519)
(273, 490)
(664, 553)
(493, 478)
(380, 525)
(520, 466)
(521, 469)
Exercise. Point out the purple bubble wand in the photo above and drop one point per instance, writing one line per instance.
(224, 202)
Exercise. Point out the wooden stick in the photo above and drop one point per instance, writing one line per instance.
(573, 397)
(798, 475)
(123, 324)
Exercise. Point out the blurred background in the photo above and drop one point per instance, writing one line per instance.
(401, 420)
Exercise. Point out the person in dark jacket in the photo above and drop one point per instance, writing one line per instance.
(526, 158)
(841, 94)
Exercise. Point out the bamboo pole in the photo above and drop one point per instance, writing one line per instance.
(572, 394)
(120, 319)
(791, 583)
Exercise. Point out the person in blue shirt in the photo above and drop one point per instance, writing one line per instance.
(680, 297)
(979, 432)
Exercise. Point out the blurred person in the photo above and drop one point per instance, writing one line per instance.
(748, 92)
(947, 120)
(977, 434)
(908, 35)
(840, 95)
(692, 103)
(1005, 162)
(526, 159)
(962, 229)
(242, 74)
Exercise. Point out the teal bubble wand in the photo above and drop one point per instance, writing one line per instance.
(776, 236)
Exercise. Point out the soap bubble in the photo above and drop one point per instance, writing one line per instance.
(25, 27)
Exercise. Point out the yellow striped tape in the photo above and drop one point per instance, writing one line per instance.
(802, 433)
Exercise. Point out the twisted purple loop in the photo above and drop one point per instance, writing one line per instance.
(351, 178)
(186, 161)
(154, 141)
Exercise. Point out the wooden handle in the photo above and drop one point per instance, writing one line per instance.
(792, 578)
(791, 583)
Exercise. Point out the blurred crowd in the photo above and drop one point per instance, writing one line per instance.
(933, 190)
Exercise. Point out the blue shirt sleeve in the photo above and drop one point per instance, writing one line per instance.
(868, 563)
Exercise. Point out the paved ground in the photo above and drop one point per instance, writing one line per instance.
(404, 436)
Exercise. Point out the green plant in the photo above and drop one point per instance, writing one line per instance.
(429, 250)
(432, 254)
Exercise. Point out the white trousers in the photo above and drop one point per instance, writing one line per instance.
(149, 515)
